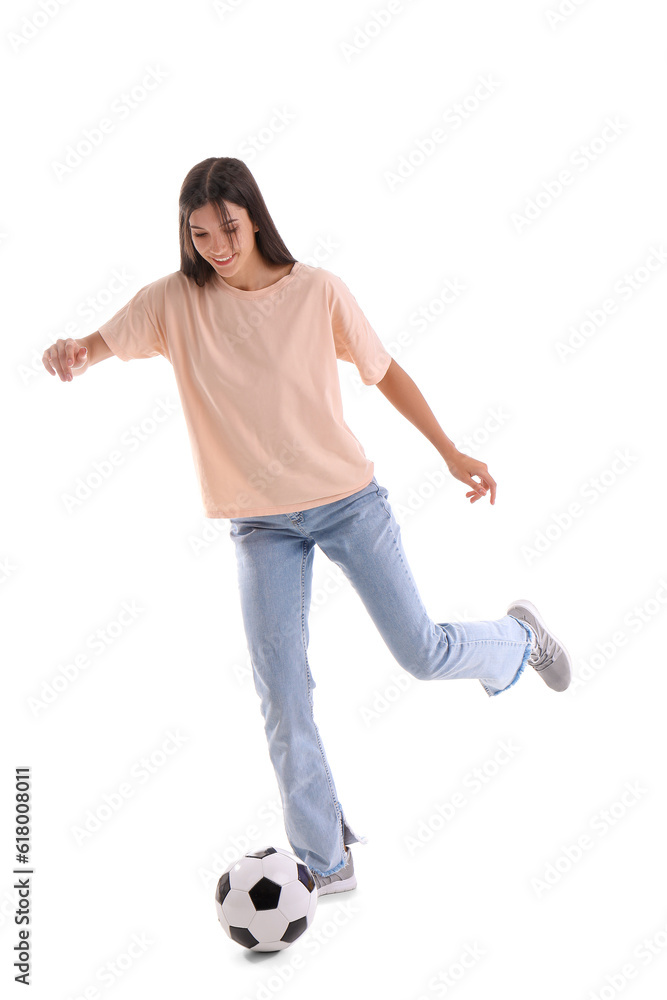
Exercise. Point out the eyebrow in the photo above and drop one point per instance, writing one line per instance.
(202, 227)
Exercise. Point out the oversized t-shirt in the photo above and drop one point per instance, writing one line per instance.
(258, 382)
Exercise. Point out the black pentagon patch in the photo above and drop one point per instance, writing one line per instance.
(306, 876)
(265, 894)
(263, 853)
(243, 936)
(294, 929)
(222, 888)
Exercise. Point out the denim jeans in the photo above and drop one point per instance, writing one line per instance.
(360, 534)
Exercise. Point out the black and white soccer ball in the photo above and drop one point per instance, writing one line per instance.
(266, 899)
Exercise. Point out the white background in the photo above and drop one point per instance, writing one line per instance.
(359, 99)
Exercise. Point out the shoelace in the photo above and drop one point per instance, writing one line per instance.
(543, 656)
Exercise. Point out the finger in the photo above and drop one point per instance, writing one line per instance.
(80, 357)
(491, 483)
(480, 490)
(62, 361)
(54, 359)
(65, 364)
(71, 350)
(64, 349)
(479, 487)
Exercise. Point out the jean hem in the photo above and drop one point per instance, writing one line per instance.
(332, 871)
(528, 650)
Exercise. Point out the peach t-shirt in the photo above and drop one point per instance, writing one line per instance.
(258, 382)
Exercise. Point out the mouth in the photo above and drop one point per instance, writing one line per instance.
(222, 262)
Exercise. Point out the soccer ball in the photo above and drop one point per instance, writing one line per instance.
(266, 899)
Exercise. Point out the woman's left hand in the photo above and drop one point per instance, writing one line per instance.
(464, 467)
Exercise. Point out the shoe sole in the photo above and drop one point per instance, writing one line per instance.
(532, 610)
(342, 886)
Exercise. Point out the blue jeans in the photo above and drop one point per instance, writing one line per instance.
(275, 564)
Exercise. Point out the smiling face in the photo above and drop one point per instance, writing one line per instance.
(214, 241)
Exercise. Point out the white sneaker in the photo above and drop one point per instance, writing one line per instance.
(340, 881)
(549, 656)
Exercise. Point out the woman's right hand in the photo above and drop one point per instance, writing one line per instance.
(66, 358)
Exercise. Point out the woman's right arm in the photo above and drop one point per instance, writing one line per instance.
(67, 358)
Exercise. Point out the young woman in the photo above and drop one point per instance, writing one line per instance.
(253, 336)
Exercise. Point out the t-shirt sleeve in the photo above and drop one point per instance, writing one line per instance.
(354, 337)
(138, 330)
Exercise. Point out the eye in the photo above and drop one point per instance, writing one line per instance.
(232, 230)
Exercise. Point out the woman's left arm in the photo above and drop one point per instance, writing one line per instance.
(401, 391)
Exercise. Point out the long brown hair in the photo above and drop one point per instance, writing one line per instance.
(214, 181)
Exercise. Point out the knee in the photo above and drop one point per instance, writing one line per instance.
(427, 662)
(416, 669)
